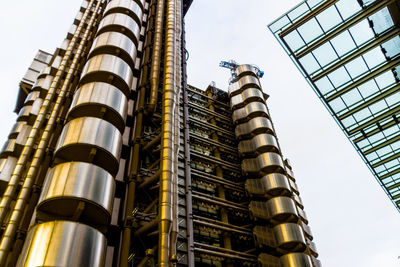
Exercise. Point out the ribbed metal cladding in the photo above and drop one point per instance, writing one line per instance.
(80, 187)
(277, 210)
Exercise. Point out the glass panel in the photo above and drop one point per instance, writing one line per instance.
(310, 30)
(356, 67)
(294, 40)
(297, 12)
(337, 104)
(385, 79)
(348, 8)
(361, 32)
(392, 47)
(374, 57)
(314, 3)
(352, 97)
(339, 77)
(362, 114)
(381, 20)
(343, 43)
(324, 85)
(325, 54)
(329, 18)
(282, 22)
(309, 63)
(368, 88)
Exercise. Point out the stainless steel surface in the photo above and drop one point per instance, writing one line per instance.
(249, 111)
(132, 8)
(43, 84)
(7, 166)
(274, 184)
(69, 184)
(296, 260)
(266, 260)
(110, 69)
(253, 127)
(63, 244)
(289, 237)
(118, 22)
(24, 113)
(16, 129)
(259, 144)
(92, 140)
(246, 69)
(281, 209)
(116, 44)
(101, 100)
(265, 163)
(31, 97)
(246, 96)
(246, 81)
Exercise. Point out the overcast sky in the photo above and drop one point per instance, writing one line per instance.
(353, 221)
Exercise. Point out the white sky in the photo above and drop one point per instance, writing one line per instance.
(353, 221)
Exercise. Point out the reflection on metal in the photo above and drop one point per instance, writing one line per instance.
(132, 8)
(253, 127)
(289, 236)
(119, 22)
(263, 164)
(7, 166)
(90, 139)
(249, 111)
(68, 185)
(278, 209)
(102, 100)
(245, 97)
(248, 81)
(258, 144)
(274, 184)
(108, 69)
(246, 69)
(296, 260)
(117, 44)
(64, 244)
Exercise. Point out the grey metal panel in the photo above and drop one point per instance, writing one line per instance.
(117, 44)
(263, 164)
(132, 8)
(102, 100)
(92, 140)
(249, 111)
(63, 244)
(259, 144)
(253, 127)
(118, 22)
(69, 184)
(109, 69)
(246, 96)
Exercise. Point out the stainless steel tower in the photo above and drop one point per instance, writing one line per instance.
(115, 161)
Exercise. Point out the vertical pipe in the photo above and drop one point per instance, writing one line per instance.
(23, 196)
(167, 148)
(40, 119)
(156, 61)
(188, 186)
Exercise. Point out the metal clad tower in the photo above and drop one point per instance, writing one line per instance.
(115, 161)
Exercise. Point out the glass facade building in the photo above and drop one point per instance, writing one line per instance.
(348, 51)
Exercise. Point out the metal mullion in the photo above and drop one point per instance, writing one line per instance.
(364, 13)
(386, 160)
(389, 174)
(381, 145)
(384, 127)
(371, 101)
(306, 18)
(365, 78)
(374, 120)
(371, 45)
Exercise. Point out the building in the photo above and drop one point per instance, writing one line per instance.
(115, 161)
(348, 51)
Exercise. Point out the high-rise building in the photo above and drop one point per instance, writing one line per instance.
(115, 161)
(348, 50)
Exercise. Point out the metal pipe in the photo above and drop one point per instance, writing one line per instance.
(12, 226)
(147, 227)
(153, 142)
(134, 160)
(149, 181)
(167, 155)
(156, 61)
(40, 119)
(223, 254)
